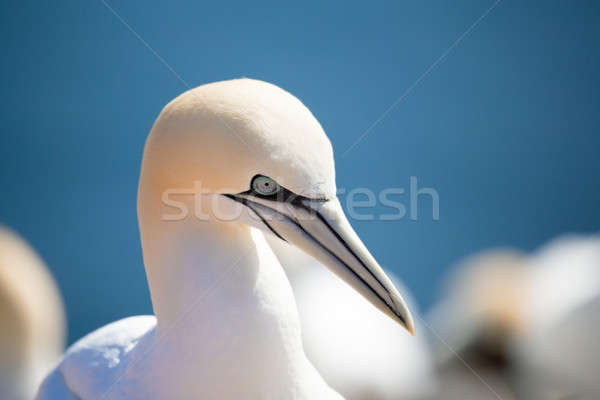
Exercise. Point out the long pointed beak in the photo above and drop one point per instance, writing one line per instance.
(321, 229)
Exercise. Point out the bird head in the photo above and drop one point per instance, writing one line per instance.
(257, 156)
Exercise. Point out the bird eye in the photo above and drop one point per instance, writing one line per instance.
(265, 186)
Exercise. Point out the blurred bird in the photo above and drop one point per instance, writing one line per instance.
(32, 319)
(475, 324)
(361, 354)
(527, 326)
(226, 324)
(558, 353)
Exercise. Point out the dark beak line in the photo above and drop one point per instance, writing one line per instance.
(250, 204)
(347, 246)
(263, 220)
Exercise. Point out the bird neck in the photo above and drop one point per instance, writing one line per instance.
(222, 300)
(191, 262)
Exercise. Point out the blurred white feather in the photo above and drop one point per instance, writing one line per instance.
(358, 350)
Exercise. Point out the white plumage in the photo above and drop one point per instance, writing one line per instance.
(361, 354)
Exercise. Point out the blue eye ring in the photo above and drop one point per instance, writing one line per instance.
(265, 186)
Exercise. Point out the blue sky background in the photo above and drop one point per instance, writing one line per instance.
(505, 128)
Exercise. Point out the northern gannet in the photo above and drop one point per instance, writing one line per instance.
(224, 163)
(475, 324)
(523, 326)
(32, 319)
(558, 354)
(363, 355)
